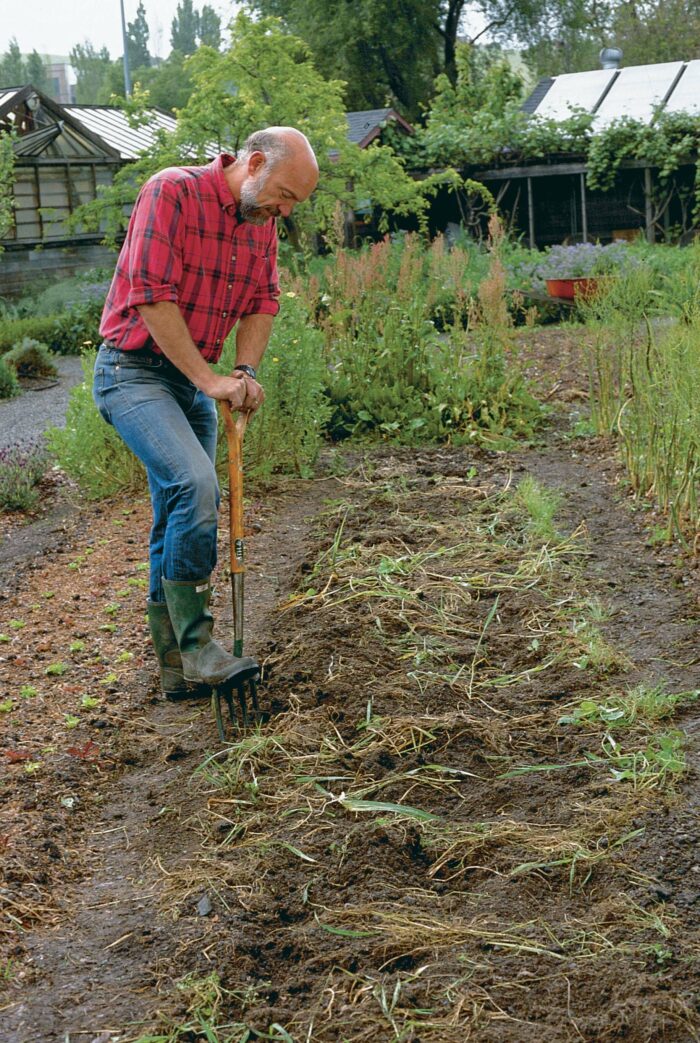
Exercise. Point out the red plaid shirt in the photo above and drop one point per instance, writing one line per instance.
(186, 243)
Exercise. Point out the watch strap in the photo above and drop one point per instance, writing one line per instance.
(248, 370)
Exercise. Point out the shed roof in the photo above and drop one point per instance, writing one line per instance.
(636, 91)
(366, 125)
(112, 126)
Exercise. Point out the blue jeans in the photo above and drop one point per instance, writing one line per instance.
(171, 427)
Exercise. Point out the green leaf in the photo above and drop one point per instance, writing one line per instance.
(353, 804)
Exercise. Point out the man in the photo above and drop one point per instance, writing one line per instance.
(200, 254)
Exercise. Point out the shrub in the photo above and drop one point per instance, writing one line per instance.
(285, 436)
(91, 451)
(389, 371)
(9, 384)
(30, 358)
(77, 330)
(13, 330)
(22, 467)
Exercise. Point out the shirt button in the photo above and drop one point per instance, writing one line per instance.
(218, 342)
(224, 313)
(233, 257)
(230, 286)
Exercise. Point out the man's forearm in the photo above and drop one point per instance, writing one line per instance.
(252, 334)
(166, 325)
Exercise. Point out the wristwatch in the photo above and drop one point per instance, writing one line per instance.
(248, 370)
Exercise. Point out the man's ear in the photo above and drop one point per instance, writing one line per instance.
(256, 161)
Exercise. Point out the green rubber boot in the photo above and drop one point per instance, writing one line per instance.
(172, 681)
(204, 661)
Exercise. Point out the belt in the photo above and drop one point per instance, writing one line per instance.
(147, 349)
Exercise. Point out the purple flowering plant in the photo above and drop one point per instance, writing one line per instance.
(22, 467)
(579, 260)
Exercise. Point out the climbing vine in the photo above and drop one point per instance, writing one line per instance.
(479, 122)
(7, 180)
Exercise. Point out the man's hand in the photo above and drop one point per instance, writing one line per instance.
(255, 396)
(230, 389)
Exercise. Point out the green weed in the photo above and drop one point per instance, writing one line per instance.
(56, 669)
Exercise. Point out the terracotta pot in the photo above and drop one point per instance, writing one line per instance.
(570, 289)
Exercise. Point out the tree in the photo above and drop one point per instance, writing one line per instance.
(92, 68)
(169, 84)
(185, 28)
(137, 34)
(657, 31)
(267, 77)
(557, 35)
(209, 27)
(36, 72)
(386, 52)
(13, 71)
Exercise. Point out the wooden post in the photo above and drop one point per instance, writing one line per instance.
(530, 214)
(648, 212)
(584, 211)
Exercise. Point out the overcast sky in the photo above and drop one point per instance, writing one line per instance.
(55, 26)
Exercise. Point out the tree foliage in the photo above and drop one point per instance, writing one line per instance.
(386, 52)
(16, 70)
(209, 27)
(12, 67)
(184, 28)
(91, 67)
(137, 34)
(267, 77)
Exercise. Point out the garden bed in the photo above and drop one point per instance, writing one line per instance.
(431, 838)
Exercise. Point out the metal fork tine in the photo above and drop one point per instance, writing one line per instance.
(243, 704)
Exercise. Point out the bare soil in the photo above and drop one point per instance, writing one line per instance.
(129, 861)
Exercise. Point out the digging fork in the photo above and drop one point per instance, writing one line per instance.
(246, 690)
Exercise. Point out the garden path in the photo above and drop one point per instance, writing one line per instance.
(41, 405)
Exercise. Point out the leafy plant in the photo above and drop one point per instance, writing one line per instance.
(56, 669)
(77, 330)
(9, 384)
(584, 260)
(286, 435)
(7, 178)
(109, 466)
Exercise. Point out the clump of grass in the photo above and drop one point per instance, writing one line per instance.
(541, 505)
(644, 704)
(644, 388)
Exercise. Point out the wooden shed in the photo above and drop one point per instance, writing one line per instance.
(63, 154)
(549, 201)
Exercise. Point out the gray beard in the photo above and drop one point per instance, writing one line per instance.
(249, 209)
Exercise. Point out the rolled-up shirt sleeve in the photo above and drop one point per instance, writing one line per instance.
(265, 300)
(156, 237)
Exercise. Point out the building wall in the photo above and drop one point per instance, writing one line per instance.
(24, 269)
(61, 79)
(46, 194)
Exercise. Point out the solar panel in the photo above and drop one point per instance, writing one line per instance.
(686, 95)
(637, 90)
(574, 89)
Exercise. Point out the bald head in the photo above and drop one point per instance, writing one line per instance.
(275, 170)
